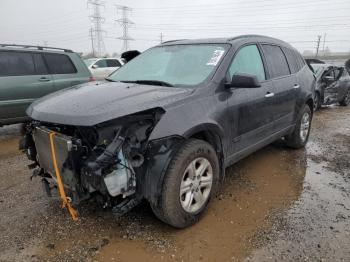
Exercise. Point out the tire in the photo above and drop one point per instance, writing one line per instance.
(301, 132)
(317, 101)
(180, 210)
(346, 99)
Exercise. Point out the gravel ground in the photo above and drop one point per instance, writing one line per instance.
(277, 204)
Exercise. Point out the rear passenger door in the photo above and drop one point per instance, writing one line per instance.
(62, 69)
(285, 85)
(23, 78)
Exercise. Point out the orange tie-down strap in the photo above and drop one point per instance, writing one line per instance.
(65, 201)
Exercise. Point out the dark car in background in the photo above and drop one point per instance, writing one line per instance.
(167, 124)
(332, 86)
(30, 72)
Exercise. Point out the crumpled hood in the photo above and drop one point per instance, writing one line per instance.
(94, 103)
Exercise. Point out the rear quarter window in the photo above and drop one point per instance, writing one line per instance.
(59, 64)
(276, 61)
(16, 64)
(292, 58)
(301, 60)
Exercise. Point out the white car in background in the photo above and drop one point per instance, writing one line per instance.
(100, 68)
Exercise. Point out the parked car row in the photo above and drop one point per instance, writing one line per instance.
(166, 123)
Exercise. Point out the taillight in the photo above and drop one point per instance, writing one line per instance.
(92, 79)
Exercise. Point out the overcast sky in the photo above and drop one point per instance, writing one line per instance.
(66, 23)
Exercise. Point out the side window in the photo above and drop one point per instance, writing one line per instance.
(337, 73)
(292, 59)
(59, 64)
(101, 63)
(330, 73)
(40, 67)
(113, 63)
(276, 61)
(248, 60)
(301, 60)
(16, 64)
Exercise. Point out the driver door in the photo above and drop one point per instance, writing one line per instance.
(251, 109)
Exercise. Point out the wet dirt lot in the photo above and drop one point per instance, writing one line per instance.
(278, 204)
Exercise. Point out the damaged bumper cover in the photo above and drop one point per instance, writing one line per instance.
(112, 163)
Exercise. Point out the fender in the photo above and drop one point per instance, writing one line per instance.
(161, 151)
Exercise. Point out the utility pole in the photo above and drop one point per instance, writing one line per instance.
(161, 38)
(97, 32)
(91, 33)
(125, 23)
(318, 45)
(324, 42)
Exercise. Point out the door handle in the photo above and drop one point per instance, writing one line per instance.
(44, 79)
(296, 86)
(269, 94)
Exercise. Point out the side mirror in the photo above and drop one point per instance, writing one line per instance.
(94, 66)
(241, 80)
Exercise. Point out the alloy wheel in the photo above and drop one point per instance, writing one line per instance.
(305, 126)
(196, 185)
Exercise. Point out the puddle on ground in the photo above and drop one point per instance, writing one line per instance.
(316, 223)
(9, 147)
(270, 179)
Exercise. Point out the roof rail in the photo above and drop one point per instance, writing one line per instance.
(37, 47)
(170, 41)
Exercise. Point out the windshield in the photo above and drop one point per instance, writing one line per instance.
(175, 65)
(90, 61)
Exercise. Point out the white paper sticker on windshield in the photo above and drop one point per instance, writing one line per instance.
(214, 60)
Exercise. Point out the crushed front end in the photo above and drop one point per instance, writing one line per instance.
(100, 163)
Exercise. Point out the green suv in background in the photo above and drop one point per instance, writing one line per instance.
(30, 72)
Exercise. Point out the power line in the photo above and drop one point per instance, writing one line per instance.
(248, 12)
(98, 47)
(254, 3)
(125, 23)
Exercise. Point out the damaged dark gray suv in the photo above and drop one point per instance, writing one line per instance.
(166, 125)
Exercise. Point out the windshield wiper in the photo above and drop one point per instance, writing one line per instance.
(110, 80)
(149, 82)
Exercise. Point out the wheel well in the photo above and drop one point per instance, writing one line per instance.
(209, 137)
(310, 103)
(215, 141)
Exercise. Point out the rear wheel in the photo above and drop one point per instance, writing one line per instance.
(346, 99)
(300, 135)
(189, 184)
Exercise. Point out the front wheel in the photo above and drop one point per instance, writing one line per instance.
(346, 99)
(300, 135)
(189, 183)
